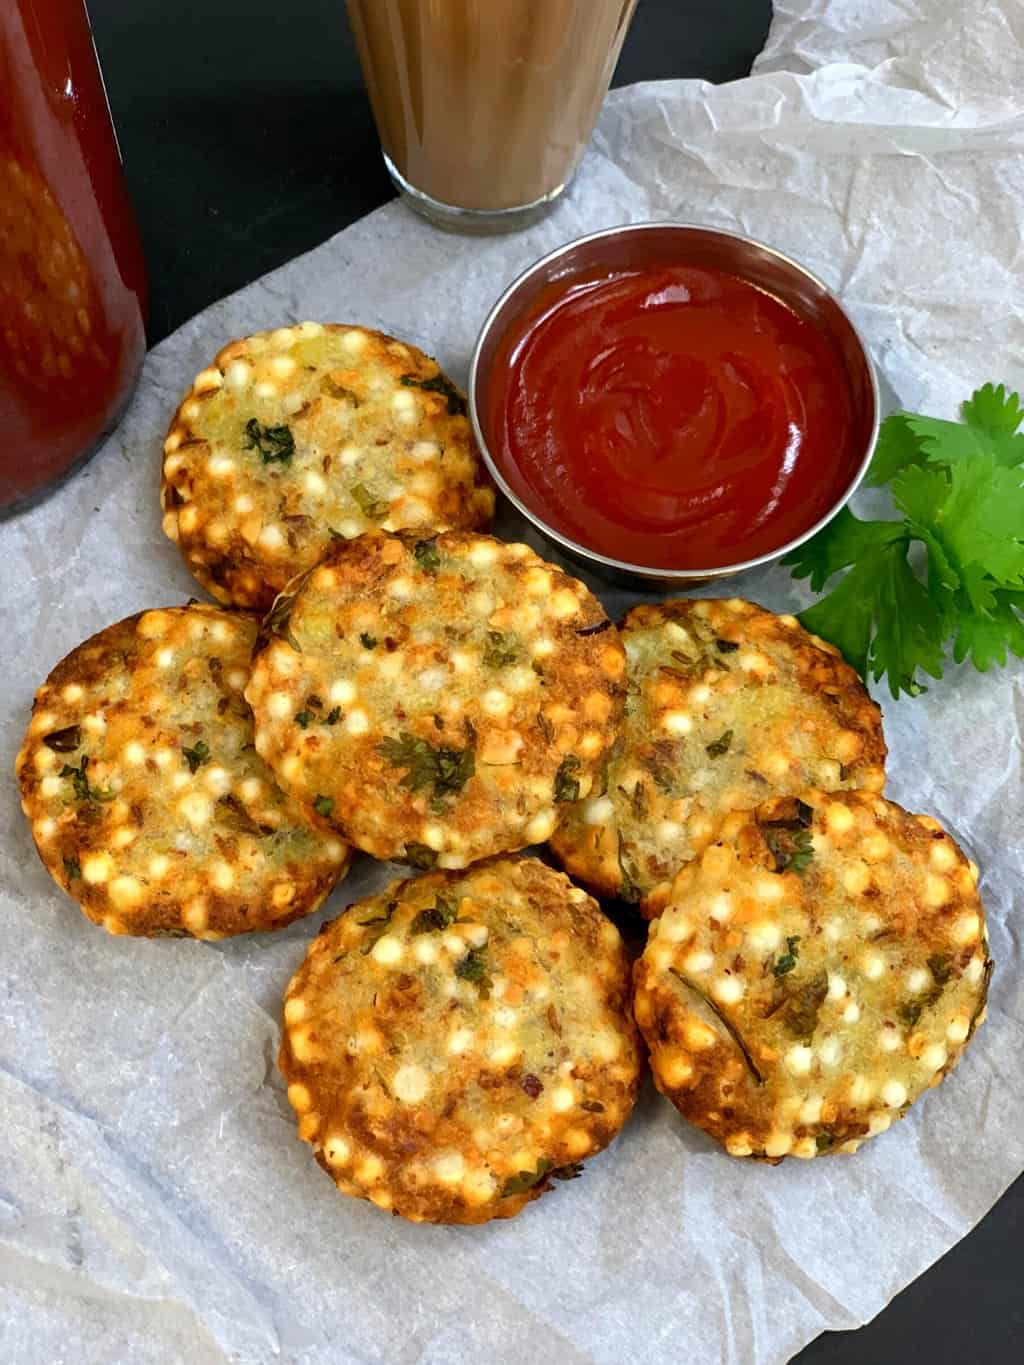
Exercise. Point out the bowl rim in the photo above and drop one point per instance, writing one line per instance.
(621, 566)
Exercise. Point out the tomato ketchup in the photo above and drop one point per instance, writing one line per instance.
(72, 281)
(671, 417)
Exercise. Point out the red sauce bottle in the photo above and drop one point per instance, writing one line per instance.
(72, 280)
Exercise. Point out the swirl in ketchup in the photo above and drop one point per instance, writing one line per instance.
(671, 417)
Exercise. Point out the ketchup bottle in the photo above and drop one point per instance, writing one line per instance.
(72, 280)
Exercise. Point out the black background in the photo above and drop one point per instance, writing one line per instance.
(247, 139)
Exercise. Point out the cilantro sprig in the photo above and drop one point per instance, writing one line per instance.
(276, 445)
(439, 384)
(951, 571)
(80, 784)
(443, 772)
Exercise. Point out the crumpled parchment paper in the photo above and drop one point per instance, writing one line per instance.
(155, 1203)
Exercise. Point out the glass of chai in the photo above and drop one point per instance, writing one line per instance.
(484, 107)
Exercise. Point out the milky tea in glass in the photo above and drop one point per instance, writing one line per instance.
(484, 107)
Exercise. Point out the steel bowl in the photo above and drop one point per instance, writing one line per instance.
(651, 244)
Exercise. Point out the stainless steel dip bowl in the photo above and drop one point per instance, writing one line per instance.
(642, 245)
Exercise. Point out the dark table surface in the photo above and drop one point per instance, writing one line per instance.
(247, 139)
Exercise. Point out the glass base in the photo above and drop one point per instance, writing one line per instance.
(481, 222)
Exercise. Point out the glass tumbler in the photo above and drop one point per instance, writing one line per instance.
(484, 107)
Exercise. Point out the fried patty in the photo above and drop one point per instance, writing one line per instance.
(458, 1041)
(294, 438)
(147, 800)
(727, 706)
(437, 701)
(815, 971)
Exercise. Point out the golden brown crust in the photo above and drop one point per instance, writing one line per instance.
(439, 700)
(147, 801)
(457, 1041)
(728, 705)
(815, 971)
(299, 436)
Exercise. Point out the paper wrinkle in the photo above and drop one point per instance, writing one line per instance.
(104, 1185)
(154, 1201)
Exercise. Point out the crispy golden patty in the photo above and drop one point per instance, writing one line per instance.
(147, 800)
(297, 437)
(727, 706)
(437, 700)
(454, 1043)
(814, 972)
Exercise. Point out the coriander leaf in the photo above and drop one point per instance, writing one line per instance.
(897, 448)
(909, 628)
(846, 615)
(920, 492)
(567, 785)
(378, 927)
(83, 790)
(333, 716)
(500, 651)
(941, 967)
(943, 441)
(275, 444)
(719, 746)
(439, 383)
(421, 856)
(991, 409)
(803, 1003)
(367, 641)
(373, 508)
(844, 541)
(982, 520)
(426, 555)
(79, 780)
(662, 775)
(785, 964)
(436, 917)
(197, 755)
(943, 579)
(987, 636)
(793, 849)
(335, 390)
(525, 1180)
(953, 443)
(961, 488)
(72, 869)
(474, 968)
(978, 589)
(324, 806)
(302, 719)
(883, 619)
(444, 771)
